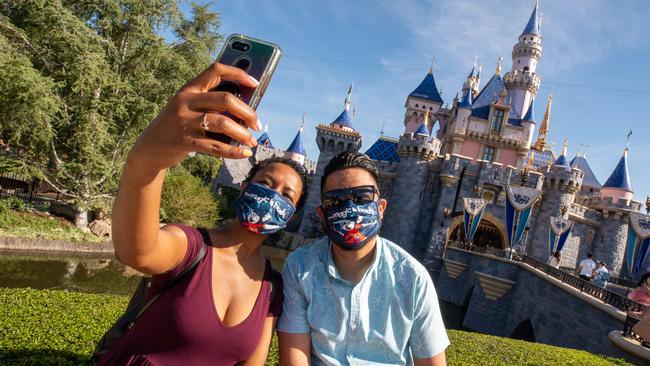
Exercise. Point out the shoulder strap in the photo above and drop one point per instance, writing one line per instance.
(174, 281)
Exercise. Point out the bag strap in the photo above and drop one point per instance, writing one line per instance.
(175, 280)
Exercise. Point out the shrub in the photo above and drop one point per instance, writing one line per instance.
(202, 166)
(13, 203)
(187, 201)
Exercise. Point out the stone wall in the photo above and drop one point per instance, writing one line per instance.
(560, 315)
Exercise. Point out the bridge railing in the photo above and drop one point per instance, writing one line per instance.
(618, 301)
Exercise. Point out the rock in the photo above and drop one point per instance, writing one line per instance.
(101, 228)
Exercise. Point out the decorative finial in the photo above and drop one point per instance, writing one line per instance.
(383, 127)
(440, 91)
(499, 65)
(564, 148)
(347, 98)
(480, 68)
(302, 121)
(433, 59)
(627, 142)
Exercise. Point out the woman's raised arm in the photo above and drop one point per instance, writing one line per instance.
(178, 129)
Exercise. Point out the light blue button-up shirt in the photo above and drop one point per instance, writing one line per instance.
(390, 317)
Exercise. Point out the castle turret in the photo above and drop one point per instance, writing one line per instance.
(296, 150)
(473, 80)
(331, 139)
(618, 185)
(425, 97)
(522, 81)
(416, 151)
(560, 186)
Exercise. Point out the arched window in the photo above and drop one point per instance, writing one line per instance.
(339, 146)
(330, 145)
(350, 147)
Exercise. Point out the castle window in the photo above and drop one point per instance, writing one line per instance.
(526, 68)
(488, 153)
(497, 120)
(416, 105)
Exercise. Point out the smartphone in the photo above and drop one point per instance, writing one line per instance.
(259, 59)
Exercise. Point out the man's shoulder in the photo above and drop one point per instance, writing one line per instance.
(400, 258)
(314, 251)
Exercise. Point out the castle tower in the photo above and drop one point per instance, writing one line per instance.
(416, 151)
(331, 139)
(522, 81)
(296, 151)
(528, 123)
(560, 186)
(614, 202)
(544, 129)
(425, 97)
(473, 81)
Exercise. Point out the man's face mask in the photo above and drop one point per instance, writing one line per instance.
(351, 216)
(262, 210)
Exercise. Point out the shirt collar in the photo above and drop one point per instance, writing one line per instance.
(334, 272)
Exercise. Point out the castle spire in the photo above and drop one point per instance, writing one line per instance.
(344, 120)
(296, 151)
(562, 160)
(544, 129)
(499, 66)
(533, 22)
(347, 98)
(620, 177)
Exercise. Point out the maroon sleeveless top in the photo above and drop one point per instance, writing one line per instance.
(183, 328)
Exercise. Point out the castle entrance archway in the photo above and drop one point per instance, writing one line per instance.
(488, 234)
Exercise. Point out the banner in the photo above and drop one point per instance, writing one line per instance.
(638, 241)
(474, 208)
(558, 233)
(519, 205)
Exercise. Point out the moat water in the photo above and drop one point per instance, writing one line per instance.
(92, 274)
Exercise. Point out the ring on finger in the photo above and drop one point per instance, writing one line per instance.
(204, 122)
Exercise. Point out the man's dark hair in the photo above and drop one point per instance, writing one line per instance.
(348, 159)
(589, 255)
(302, 172)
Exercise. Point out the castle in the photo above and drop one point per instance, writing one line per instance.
(474, 146)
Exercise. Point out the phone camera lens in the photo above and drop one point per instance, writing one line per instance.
(243, 64)
(241, 46)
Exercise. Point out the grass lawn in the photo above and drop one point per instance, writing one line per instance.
(39, 327)
(31, 223)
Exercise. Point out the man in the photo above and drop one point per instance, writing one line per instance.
(354, 298)
(586, 268)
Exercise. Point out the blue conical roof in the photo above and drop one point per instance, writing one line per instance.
(265, 140)
(472, 73)
(530, 114)
(296, 145)
(620, 177)
(422, 130)
(467, 100)
(533, 23)
(589, 179)
(427, 90)
(562, 162)
(344, 119)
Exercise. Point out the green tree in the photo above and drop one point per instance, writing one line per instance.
(79, 81)
(186, 200)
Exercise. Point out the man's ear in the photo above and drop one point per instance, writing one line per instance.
(382, 207)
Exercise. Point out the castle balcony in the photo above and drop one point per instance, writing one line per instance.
(495, 140)
(584, 215)
(522, 79)
(337, 132)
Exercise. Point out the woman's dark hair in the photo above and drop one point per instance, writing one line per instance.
(643, 279)
(302, 172)
(348, 159)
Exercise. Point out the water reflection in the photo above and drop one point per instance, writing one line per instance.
(84, 274)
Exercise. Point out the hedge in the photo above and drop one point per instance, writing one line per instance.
(42, 327)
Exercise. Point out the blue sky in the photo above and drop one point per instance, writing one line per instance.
(595, 60)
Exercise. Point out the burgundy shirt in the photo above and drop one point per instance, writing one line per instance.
(183, 328)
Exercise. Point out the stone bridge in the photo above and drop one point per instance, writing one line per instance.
(506, 298)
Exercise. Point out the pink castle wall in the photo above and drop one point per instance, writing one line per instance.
(470, 149)
(508, 157)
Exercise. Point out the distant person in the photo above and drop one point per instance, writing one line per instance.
(601, 275)
(353, 297)
(554, 260)
(586, 268)
(224, 311)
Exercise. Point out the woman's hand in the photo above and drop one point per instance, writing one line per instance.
(178, 129)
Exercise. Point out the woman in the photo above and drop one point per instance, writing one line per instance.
(222, 313)
(601, 275)
(640, 295)
(554, 260)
